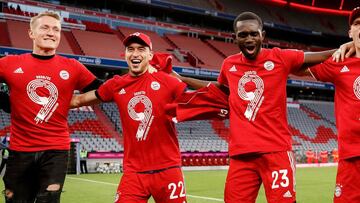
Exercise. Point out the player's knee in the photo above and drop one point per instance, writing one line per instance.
(49, 196)
(8, 195)
(53, 187)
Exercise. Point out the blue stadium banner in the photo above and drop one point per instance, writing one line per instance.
(316, 85)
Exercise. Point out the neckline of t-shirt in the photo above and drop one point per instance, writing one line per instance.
(42, 58)
(138, 76)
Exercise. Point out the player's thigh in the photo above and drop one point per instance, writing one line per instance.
(131, 189)
(242, 181)
(347, 188)
(278, 175)
(20, 176)
(168, 186)
(52, 168)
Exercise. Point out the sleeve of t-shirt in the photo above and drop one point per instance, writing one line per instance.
(106, 90)
(293, 59)
(177, 86)
(85, 77)
(222, 79)
(324, 71)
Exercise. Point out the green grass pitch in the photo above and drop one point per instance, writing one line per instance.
(313, 185)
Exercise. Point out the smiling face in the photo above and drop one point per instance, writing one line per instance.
(249, 37)
(354, 33)
(138, 57)
(45, 32)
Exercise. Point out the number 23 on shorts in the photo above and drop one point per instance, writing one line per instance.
(280, 179)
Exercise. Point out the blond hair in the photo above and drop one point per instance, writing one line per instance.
(42, 14)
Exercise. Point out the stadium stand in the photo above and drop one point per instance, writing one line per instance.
(4, 33)
(94, 136)
(199, 136)
(111, 111)
(225, 48)
(312, 124)
(107, 45)
(196, 3)
(325, 109)
(4, 123)
(277, 14)
(207, 56)
(310, 129)
(162, 41)
(97, 27)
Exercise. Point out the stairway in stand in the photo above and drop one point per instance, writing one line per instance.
(108, 124)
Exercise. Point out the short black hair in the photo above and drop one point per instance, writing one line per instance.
(247, 16)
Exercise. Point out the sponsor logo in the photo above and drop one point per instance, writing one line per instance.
(233, 69)
(97, 61)
(122, 91)
(18, 70)
(287, 194)
(344, 69)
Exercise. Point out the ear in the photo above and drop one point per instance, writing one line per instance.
(233, 35)
(31, 34)
(151, 55)
(349, 33)
(263, 33)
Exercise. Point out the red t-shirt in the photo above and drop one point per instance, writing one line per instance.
(346, 78)
(258, 121)
(204, 103)
(150, 139)
(40, 94)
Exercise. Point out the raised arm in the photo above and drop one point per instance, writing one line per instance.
(197, 84)
(313, 58)
(317, 57)
(85, 99)
(344, 51)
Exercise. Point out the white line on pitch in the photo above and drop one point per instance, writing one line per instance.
(113, 184)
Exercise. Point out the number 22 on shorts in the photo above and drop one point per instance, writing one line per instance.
(173, 187)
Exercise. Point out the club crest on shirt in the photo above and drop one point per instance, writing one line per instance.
(338, 190)
(155, 85)
(117, 196)
(64, 75)
(356, 87)
(269, 65)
